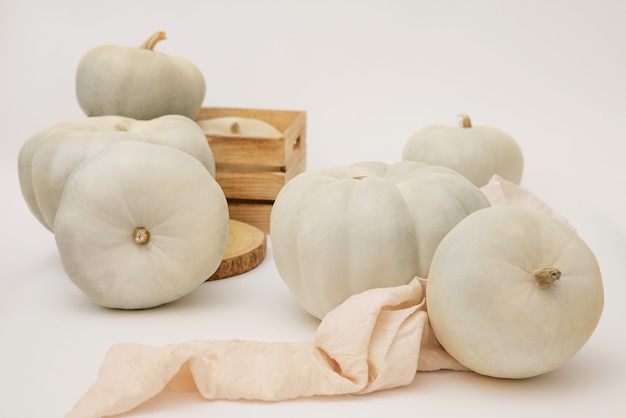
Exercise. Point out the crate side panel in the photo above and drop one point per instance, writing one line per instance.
(295, 137)
(296, 165)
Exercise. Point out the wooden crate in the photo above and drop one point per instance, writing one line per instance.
(251, 171)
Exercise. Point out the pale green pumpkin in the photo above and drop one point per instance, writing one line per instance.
(140, 225)
(513, 293)
(477, 152)
(48, 157)
(138, 83)
(239, 127)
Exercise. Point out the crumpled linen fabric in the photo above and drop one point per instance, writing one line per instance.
(375, 340)
(501, 192)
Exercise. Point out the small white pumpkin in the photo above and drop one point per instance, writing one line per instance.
(513, 293)
(140, 225)
(239, 127)
(339, 231)
(47, 158)
(477, 152)
(138, 83)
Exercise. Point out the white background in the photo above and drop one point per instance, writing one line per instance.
(368, 73)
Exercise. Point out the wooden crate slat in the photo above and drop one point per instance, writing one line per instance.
(248, 151)
(253, 213)
(250, 185)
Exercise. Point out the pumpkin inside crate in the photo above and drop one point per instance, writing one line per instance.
(252, 169)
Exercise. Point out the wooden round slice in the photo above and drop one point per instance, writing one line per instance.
(245, 249)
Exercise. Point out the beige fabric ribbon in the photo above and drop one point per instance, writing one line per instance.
(375, 340)
(501, 192)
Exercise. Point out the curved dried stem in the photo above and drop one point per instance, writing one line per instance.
(152, 41)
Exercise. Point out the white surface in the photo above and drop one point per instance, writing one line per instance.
(368, 74)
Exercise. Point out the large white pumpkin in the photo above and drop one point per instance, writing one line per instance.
(48, 157)
(339, 231)
(513, 293)
(140, 225)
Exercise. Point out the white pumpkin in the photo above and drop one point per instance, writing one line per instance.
(513, 293)
(477, 152)
(138, 83)
(140, 225)
(239, 127)
(47, 158)
(339, 231)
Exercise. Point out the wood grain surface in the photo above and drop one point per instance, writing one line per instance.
(245, 249)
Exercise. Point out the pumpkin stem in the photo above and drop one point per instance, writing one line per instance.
(152, 41)
(545, 277)
(234, 128)
(465, 121)
(141, 236)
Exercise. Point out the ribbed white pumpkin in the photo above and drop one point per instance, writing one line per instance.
(47, 158)
(138, 82)
(339, 231)
(477, 152)
(140, 225)
(513, 293)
